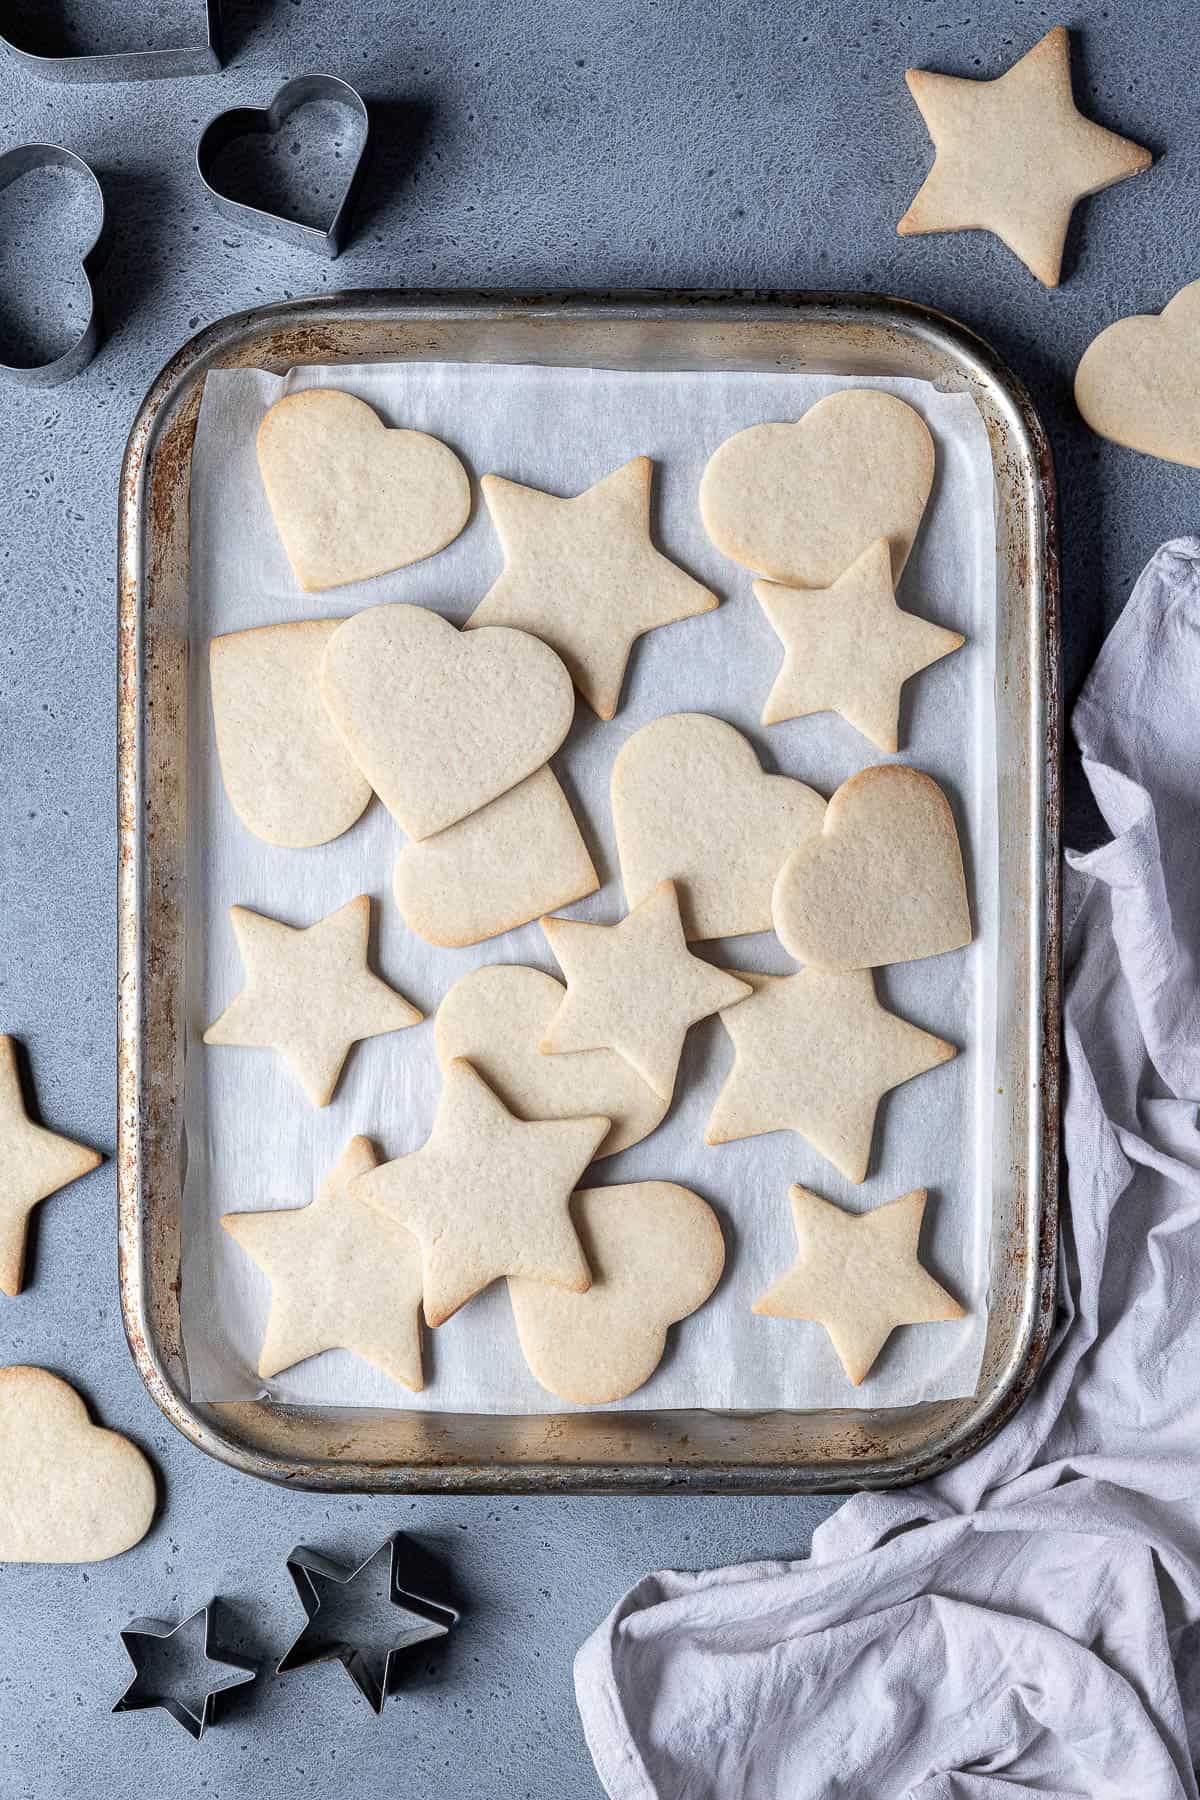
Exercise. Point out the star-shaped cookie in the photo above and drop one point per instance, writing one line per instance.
(849, 648)
(582, 575)
(343, 1277)
(635, 987)
(857, 1274)
(34, 1163)
(487, 1195)
(1014, 155)
(815, 1053)
(309, 994)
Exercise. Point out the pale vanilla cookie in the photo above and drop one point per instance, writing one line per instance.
(1138, 383)
(1014, 156)
(487, 1194)
(288, 774)
(34, 1163)
(656, 1253)
(849, 648)
(440, 722)
(884, 881)
(70, 1492)
(343, 1277)
(690, 803)
(309, 994)
(634, 988)
(799, 502)
(815, 1053)
(496, 1017)
(582, 575)
(350, 497)
(857, 1274)
(516, 858)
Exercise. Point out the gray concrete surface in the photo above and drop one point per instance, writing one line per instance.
(522, 144)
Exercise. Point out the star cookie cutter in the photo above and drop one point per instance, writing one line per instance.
(196, 58)
(20, 161)
(141, 1634)
(247, 121)
(420, 1620)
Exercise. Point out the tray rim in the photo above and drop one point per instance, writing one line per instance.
(213, 1427)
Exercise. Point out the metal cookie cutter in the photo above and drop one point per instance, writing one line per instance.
(369, 1665)
(242, 121)
(129, 65)
(13, 164)
(139, 1639)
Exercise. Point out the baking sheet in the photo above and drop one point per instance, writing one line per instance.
(253, 1140)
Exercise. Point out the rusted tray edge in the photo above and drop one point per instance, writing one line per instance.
(214, 1428)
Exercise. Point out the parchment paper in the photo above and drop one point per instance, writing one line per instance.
(252, 1138)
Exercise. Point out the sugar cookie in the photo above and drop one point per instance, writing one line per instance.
(34, 1163)
(1138, 383)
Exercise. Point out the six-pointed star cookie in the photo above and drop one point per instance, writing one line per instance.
(582, 575)
(34, 1163)
(634, 987)
(343, 1277)
(309, 994)
(1014, 155)
(849, 648)
(487, 1195)
(857, 1274)
(815, 1053)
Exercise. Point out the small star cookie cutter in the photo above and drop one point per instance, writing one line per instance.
(138, 1637)
(14, 163)
(247, 121)
(421, 1620)
(195, 58)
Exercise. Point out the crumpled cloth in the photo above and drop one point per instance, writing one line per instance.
(1026, 1623)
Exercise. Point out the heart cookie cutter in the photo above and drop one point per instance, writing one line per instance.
(20, 161)
(198, 58)
(246, 121)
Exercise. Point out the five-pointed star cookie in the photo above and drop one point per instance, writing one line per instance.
(487, 1195)
(815, 1053)
(635, 987)
(343, 1277)
(857, 1274)
(849, 648)
(309, 994)
(1014, 155)
(582, 575)
(34, 1163)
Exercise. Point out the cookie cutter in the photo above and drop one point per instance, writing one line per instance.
(197, 58)
(20, 161)
(246, 121)
(423, 1619)
(138, 1697)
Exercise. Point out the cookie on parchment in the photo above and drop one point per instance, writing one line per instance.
(343, 1277)
(799, 502)
(656, 1253)
(518, 857)
(350, 497)
(288, 774)
(690, 803)
(883, 883)
(34, 1163)
(442, 721)
(496, 1017)
(857, 1274)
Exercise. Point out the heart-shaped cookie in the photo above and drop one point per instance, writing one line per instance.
(800, 502)
(497, 1016)
(1138, 383)
(350, 497)
(656, 1253)
(438, 720)
(691, 805)
(884, 881)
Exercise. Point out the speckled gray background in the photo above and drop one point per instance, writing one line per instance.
(622, 142)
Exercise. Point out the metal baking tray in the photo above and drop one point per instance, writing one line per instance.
(393, 1451)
